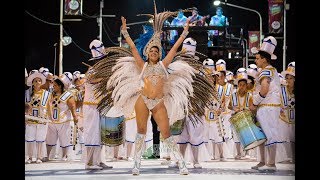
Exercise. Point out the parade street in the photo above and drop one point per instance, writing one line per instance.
(157, 169)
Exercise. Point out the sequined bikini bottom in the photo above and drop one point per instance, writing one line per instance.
(151, 103)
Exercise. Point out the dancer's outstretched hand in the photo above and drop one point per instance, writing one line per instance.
(124, 23)
(186, 26)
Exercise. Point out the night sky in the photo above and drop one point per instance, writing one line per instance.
(39, 38)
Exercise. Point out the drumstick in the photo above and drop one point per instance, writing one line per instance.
(36, 118)
(86, 64)
(74, 142)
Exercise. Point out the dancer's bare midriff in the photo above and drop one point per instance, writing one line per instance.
(153, 86)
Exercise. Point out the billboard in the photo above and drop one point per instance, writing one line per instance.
(275, 16)
(254, 39)
(72, 7)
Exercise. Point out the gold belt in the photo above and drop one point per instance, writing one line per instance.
(270, 105)
(58, 122)
(89, 103)
(30, 121)
(127, 119)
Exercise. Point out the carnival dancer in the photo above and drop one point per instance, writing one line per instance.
(162, 87)
(36, 131)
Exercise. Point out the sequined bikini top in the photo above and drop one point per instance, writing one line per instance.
(154, 70)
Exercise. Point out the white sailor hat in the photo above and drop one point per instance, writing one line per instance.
(44, 71)
(35, 74)
(189, 45)
(268, 45)
(291, 69)
(252, 70)
(97, 50)
(221, 65)
(241, 75)
(66, 78)
(229, 76)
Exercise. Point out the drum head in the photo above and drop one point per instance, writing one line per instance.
(255, 144)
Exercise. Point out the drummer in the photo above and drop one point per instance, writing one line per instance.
(91, 115)
(287, 113)
(63, 109)
(266, 100)
(79, 80)
(224, 90)
(230, 79)
(35, 131)
(252, 72)
(240, 101)
(195, 135)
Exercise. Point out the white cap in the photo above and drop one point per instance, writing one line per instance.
(252, 70)
(97, 49)
(268, 45)
(291, 69)
(35, 74)
(189, 45)
(221, 65)
(66, 78)
(44, 71)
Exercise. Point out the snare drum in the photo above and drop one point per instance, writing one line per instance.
(112, 130)
(249, 134)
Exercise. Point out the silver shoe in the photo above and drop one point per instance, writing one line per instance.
(172, 145)
(139, 143)
(183, 168)
(136, 167)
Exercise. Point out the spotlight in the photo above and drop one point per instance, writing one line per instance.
(216, 2)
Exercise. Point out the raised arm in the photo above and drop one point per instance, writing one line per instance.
(134, 50)
(168, 59)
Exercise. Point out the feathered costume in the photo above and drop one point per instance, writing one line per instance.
(185, 90)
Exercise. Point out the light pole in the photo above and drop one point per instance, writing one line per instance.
(60, 38)
(286, 6)
(100, 19)
(64, 41)
(216, 3)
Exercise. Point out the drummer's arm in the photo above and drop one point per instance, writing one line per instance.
(49, 112)
(28, 108)
(230, 105)
(252, 107)
(72, 106)
(234, 109)
(265, 83)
